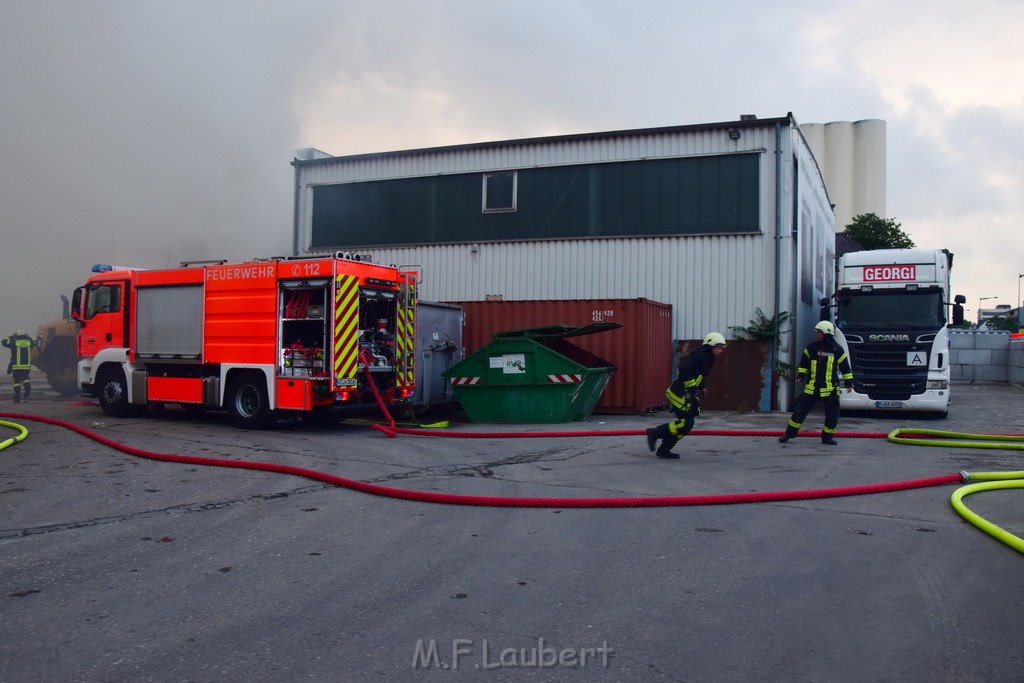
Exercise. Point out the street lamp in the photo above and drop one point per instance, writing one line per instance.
(984, 298)
(1020, 318)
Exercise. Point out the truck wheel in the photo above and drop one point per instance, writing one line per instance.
(248, 403)
(112, 391)
(61, 361)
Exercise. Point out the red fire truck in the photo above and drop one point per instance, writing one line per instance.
(302, 335)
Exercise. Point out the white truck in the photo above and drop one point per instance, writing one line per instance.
(891, 315)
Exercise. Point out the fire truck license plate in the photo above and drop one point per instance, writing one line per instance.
(888, 404)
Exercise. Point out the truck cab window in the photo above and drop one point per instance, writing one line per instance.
(103, 299)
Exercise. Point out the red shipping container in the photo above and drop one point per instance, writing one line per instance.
(641, 349)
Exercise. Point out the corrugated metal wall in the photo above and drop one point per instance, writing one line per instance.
(641, 349)
(538, 153)
(712, 282)
(532, 154)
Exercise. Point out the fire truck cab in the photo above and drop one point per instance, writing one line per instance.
(257, 338)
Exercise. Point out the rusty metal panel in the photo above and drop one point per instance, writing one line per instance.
(737, 378)
(641, 349)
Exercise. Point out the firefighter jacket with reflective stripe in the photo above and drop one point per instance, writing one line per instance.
(822, 365)
(693, 370)
(21, 351)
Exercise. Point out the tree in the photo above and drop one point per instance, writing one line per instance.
(1004, 323)
(872, 232)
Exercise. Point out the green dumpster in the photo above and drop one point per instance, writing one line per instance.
(532, 375)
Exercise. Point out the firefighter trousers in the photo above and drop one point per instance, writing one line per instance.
(21, 381)
(672, 432)
(803, 408)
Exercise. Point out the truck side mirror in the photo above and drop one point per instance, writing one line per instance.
(958, 309)
(76, 304)
(823, 312)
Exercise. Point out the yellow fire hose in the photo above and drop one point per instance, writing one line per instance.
(1007, 442)
(990, 481)
(22, 433)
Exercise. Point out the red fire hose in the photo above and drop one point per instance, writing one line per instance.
(509, 501)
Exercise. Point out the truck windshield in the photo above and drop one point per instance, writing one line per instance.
(882, 309)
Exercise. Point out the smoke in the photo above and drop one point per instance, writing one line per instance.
(143, 134)
(146, 133)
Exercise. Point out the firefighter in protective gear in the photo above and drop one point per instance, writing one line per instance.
(21, 346)
(684, 396)
(823, 363)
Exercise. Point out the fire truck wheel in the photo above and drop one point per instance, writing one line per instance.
(112, 391)
(248, 403)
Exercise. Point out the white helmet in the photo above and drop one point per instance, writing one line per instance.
(825, 327)
(20, 333)
(714, 339)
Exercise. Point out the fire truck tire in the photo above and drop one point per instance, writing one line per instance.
(248, 402)
(112, 391)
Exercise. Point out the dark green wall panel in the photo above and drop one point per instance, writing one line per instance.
(715, 194)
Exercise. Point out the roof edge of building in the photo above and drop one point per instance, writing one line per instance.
(746, 122)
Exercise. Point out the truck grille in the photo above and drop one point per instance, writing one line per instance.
(881, 371)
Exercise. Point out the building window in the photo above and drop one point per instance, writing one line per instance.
(499, 192)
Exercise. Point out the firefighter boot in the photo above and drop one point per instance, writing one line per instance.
(828, 440)
(665, 449)
(790, 433)
(652, 439)
(27, 388)
(656, 433)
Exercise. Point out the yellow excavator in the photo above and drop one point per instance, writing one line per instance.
(57, 354)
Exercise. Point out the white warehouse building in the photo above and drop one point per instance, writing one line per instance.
(720, 220)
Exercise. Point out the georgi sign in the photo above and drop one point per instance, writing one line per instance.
(890, 273)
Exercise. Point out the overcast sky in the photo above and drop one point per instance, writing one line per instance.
(146, 133)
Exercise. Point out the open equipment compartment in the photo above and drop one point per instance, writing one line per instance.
(303, 335)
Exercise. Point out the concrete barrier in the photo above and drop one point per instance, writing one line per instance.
(1016, 362)
(984, 357)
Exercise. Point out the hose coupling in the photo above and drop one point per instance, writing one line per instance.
(965, 476)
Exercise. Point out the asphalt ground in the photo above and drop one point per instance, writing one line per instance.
(118, 568)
